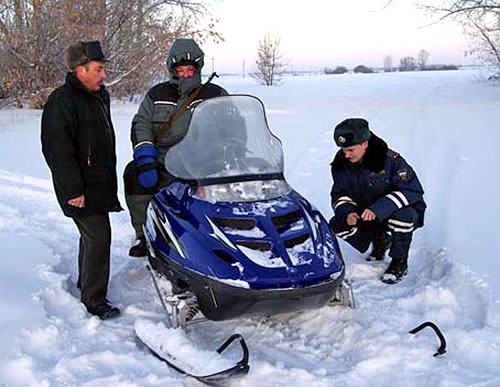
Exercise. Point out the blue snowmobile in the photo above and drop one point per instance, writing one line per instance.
(229, 237)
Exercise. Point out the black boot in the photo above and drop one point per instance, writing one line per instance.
(396, 271)
(139, 249)
(381, 242)
(104, 311)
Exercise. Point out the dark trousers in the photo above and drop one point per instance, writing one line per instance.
(401, 224)
(138, 197)
(93, 257)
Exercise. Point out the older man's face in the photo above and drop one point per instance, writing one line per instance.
(356, 152)
(91, 75)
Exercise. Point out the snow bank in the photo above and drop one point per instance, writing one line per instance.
(441, 122)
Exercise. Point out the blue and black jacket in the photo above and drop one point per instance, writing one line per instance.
(383, 182)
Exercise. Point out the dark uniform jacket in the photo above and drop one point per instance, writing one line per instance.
(78, 143)
(160, 102)
(383, 182)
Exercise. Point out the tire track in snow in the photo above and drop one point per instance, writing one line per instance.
(81, 348)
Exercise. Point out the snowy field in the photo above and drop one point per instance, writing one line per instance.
(444, 123)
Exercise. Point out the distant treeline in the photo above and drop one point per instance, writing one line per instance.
(367, 70)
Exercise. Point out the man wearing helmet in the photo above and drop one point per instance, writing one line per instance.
(146, 175)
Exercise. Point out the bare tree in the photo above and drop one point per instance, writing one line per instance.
(480, 20)
(270, 61)
(422, 59)
(135, 35)
(388, 64)
(407, 64)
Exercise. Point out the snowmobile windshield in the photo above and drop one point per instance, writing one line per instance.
(228, 140)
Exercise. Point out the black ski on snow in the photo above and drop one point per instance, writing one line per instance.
(239, 369)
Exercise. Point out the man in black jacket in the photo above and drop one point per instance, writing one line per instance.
(146, 175)
(78, 143)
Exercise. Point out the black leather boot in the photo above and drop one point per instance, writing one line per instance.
(381, 243)
(104, 311)
(396, 271)
(139, 249)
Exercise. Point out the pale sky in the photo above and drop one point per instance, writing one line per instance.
(316, 33)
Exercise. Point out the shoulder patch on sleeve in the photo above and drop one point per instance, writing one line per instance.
(403, 174)
(392, 154)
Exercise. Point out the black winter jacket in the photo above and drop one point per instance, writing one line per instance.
(78, 143)
(383, 181)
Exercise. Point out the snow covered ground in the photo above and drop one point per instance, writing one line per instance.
(444, 123)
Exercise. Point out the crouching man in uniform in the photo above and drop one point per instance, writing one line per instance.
(376, 197)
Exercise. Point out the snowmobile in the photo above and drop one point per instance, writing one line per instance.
(228, 237)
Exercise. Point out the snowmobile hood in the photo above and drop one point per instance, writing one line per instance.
(275, 244)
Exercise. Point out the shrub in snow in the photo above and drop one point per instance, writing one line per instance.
(337, 70)
(362, 69)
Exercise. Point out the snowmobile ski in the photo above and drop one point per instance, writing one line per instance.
(229, 238)
(210, 369)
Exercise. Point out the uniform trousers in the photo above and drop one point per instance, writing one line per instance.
(401, 224)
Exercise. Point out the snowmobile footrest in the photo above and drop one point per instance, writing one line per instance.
(442, 348)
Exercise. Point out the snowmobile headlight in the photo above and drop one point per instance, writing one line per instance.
(243, 191)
